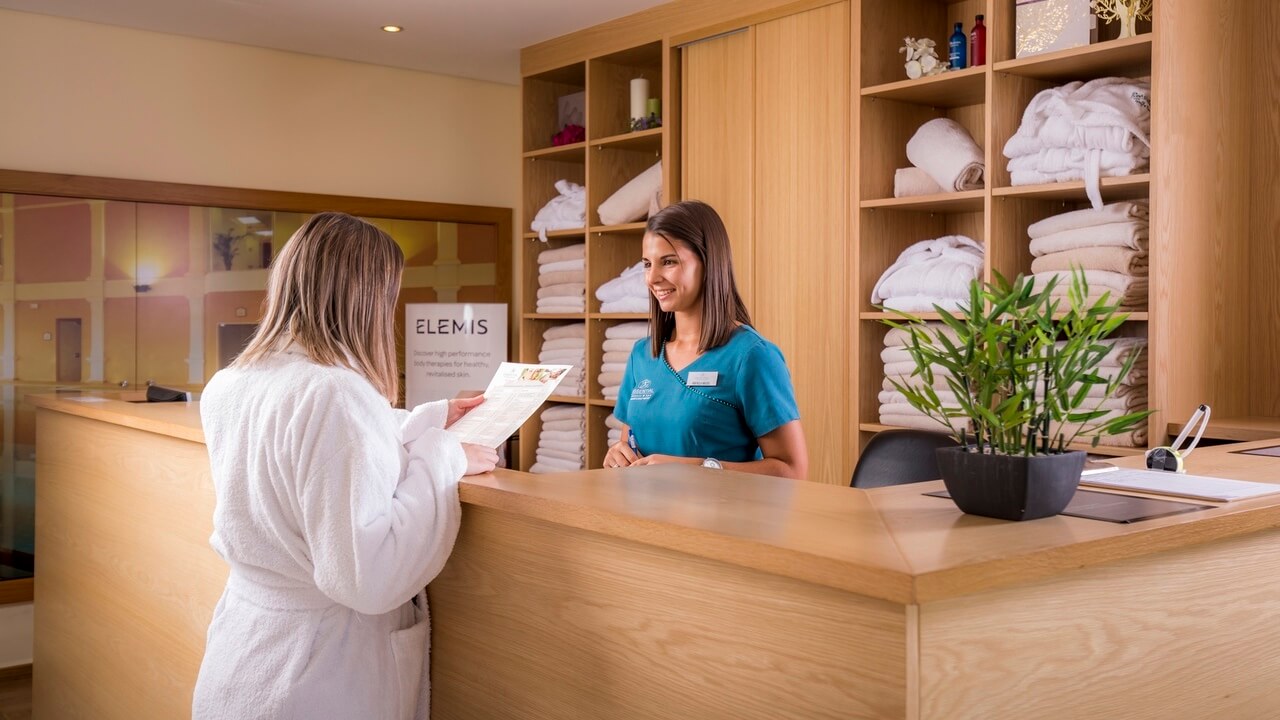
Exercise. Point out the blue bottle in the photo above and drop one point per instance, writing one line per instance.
(957, 47)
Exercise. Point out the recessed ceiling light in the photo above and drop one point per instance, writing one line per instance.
(248, 220)
(391, 28)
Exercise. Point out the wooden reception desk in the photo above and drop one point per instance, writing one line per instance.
(678, 592)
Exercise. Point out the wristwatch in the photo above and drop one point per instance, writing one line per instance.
(712, 463)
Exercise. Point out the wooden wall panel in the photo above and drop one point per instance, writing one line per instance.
(536, 620)
(801, 191)
(1200, 209)
(717, 129)
(1264, 234)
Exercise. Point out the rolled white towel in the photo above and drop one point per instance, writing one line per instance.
(631, 202)
(568, 252)
(947, 152)
(634, 330)
(567, 330)
(912, 182)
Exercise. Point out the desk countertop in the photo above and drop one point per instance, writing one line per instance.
(890, 543)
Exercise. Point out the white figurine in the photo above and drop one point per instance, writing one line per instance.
(922, 59)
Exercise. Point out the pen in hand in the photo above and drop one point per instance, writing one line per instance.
(631, 443)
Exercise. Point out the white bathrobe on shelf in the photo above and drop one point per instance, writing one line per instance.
(334, 510)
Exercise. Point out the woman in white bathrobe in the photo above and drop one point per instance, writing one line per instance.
(334, 510)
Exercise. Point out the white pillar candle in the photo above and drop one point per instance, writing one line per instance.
(639, 94)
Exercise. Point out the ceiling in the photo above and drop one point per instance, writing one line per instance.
(478, 39)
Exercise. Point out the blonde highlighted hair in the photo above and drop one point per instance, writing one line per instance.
(332, 292)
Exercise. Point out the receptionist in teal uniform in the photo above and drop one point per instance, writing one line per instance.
(704, 388)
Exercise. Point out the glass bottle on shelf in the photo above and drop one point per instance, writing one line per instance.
(978, 43)
(956, 48)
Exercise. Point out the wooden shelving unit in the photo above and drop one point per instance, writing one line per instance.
(988, 101)
(610, 157)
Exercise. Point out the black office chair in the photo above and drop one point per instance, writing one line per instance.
(899, 457)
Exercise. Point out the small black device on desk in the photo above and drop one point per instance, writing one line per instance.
(155, 393)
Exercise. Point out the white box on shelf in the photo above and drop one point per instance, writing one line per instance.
(573, 109)
(1048, 25)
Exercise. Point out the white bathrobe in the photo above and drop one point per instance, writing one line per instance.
(334, 510)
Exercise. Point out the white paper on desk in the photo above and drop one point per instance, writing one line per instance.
(1199, 487)
(515, 392)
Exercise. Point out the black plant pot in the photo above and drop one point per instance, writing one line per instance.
(1010, 487)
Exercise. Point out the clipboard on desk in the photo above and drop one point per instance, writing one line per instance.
(1195, 487)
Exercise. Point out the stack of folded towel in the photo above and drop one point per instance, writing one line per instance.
(1129, 397)
(619, 340)
(1109, 244)
(562, 277)
(898, 365)
(562, 442)
(930, 272)
(1083, 130)
(566, 345)
(626, 293)
(566, 211)
(615, 429)
(944, 158)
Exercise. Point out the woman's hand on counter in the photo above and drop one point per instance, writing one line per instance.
(480, 459)
(620, 455)
(665, 460)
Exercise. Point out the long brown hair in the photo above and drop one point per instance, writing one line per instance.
(699, 227)
(332, 291)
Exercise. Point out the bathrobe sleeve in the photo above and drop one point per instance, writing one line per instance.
(379, 506)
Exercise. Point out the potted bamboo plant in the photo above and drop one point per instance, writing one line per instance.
(1020, 364)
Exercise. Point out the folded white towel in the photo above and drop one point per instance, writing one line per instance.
(610, 393)
(616, 357)
(947, 152)
(898, 416)
(941, 269)
(1117, 283)
(912, 182)
(897, 337)
(562, 412)
(923, 304)
(905, 372)
(939, 381)
(629, 284)
(569, 252)
(609, 378)
(1115, 259)
(626, 305)
(542, 453)
(895, 397)
(547, 279)
(895, 354)
(1089, 217)
(563, 290)
(566, 211)
(562, 357)
(634, 330)
(545, 305)
(567, 330)
(618, 345)
(562, 265)
(614, 367)
(613, 437)
(550, 466)
(562, 435)
(612, 421)
(568, 343)
(1131, 234)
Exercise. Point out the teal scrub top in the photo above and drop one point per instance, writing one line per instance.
(716, 407)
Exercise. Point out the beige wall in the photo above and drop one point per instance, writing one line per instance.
(92, 99)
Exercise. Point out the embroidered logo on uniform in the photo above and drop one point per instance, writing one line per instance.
(643, 391)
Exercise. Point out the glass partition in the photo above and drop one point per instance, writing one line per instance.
(111, 295)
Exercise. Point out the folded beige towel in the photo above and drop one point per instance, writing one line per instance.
(912, 181)
(564, 425)
(947, 152)
(562, 290)
(616, 357)
(1135, 300)
(1112, 259)
(895, 397)
(896, 337)
(1131, 234)
(568, 343)
(1098, 280)
(1115, 212)
(906, 368)
(907, 416)
(570, 252)
(562, 277)
(567, 330)
(939, 381)
(610, 378)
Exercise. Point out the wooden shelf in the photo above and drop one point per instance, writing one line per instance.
(1107, 450)
(1237, 429)
(1114, 57)
(602, 402)
(618, 316)
(951, 89)
(637, 227)
(554, 316)
(1127, 187)
(571, 233)
(952, 202)
(574, 152)
(643, 140)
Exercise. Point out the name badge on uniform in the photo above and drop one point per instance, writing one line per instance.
(703, 379)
